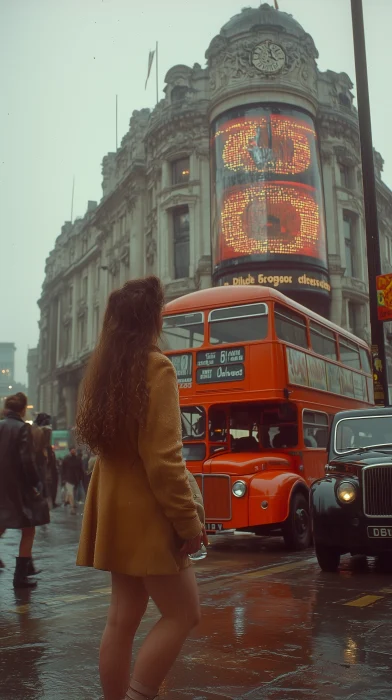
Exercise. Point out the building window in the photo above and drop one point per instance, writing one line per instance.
(67, 340)
(354, 317)
(349, 226)
(181, 242)
(70, 296)
(84, 288)
(178, 93)
(82, 332)
(149, 200)
(180, 171)
(344, 100)
(97, 274)
(388, 249)
(96, 322)
(346, 176)
(84, 245)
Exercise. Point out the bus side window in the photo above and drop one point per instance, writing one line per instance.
(365, 360)
(315, 427)
(290, 326)
(349, 353)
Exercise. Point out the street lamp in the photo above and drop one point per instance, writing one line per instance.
(380, 377)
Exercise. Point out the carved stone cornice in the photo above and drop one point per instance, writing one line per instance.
(335, 266)
(356, 287)
(178, 199)
(180, 131)
(331, 125)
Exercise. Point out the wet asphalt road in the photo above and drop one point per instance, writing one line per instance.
(274, 627)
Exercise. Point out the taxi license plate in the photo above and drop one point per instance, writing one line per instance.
(380, 532)
(214, 527)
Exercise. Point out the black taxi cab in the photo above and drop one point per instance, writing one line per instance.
(351, 507)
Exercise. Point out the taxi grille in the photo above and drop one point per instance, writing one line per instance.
(216, 495)
(377, 491)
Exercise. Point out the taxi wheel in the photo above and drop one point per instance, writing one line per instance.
(297, 532)
(328, 558)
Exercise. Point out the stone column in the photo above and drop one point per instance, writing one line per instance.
(70, 398)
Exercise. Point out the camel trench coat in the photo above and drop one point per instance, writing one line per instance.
(140, 506)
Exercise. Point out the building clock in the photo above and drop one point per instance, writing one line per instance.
(268, 57)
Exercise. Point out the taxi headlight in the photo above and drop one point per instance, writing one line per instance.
(346, 492)
(239, 489)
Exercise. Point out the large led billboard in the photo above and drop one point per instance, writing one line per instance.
(267, 203)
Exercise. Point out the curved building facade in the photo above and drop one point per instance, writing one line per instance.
(248, 171)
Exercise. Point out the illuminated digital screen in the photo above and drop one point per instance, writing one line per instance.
(267, 201)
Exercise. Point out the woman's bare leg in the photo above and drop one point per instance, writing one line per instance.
(127, 607)
(26, 541)
(177, 599)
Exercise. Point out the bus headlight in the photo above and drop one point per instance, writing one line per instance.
(239, 489)
(346, 492)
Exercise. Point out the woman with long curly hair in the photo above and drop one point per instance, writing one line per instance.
(140, 520)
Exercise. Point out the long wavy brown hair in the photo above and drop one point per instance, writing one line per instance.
(115, 385)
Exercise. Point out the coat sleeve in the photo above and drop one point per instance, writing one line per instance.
(160, 447)
(26, 456)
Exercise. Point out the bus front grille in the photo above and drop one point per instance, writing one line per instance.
(377, 491)
(216, 490)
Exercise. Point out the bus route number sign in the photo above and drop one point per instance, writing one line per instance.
(183, 366)
(213, 358)
(223, 373)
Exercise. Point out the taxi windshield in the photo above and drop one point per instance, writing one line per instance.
(354, 433)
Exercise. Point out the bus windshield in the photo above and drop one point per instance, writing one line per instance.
(182, 331)
(247, 427)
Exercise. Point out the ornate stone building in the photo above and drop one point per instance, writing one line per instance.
(157, 214)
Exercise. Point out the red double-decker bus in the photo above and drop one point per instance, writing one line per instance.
(260, 378)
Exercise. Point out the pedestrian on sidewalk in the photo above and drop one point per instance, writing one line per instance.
(21, 506)
(140, 520)
(72, 475)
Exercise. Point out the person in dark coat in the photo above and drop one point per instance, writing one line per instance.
(47, 457)
(72, 475)
(19, 483)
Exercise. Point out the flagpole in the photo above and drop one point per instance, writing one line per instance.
(116, 122)
(156, 68)
(72, 198)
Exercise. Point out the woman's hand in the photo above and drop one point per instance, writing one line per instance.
(192, 546)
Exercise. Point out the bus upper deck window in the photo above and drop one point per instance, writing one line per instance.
(323, 341)
(182, 331)
(238, 324)
(290, 326)
(365, 360)
(349, 353)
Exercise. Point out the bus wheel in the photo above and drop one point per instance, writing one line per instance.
(297, 532)
(328, 558)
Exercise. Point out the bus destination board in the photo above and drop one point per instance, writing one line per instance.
(183, 366)
(224, 373)
(211, 358)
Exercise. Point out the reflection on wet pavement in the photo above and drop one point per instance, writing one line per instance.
(273, 627)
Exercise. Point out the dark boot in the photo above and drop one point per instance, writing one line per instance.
(20, 575)
(2, 565)
(31, 570)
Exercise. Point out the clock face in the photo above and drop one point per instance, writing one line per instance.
(268, 57)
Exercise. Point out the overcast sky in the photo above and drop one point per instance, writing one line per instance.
(62, 63)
